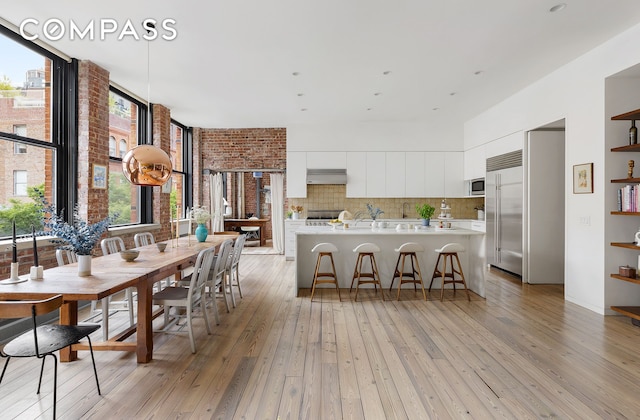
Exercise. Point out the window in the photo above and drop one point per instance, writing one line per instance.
(180, 154)
(20, 183)
(36, 93)
(112, 146)
(123, 148)
(19, 148)
(20, 130)
(124, 115)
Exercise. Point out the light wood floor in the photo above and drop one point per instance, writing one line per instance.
(522, 353)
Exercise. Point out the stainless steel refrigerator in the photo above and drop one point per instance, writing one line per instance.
(503, 206)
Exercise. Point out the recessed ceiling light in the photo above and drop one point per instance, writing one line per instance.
(558, 7)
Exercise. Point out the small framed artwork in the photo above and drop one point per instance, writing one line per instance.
(99, 178)
(583, 178)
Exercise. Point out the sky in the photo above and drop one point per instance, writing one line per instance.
(16, 60)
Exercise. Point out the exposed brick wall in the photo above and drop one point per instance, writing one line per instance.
(243, 148)
(161, 139)
(93, 138)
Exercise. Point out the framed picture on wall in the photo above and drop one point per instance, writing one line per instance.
(583, 178)
(99, 178)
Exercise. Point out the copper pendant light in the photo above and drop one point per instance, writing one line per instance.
(147, 165)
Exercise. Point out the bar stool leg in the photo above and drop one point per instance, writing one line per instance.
(335, 277)
(419, 273)
(315, 275)
(377, 274)
(464, 283)
(356, 271)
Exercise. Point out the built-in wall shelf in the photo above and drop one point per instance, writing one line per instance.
(631, 115)
(628, 245)
(629, 279)
(630, 311)
(625, 213)
(626, 181)
(628, 148)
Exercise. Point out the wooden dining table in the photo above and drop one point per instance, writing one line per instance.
(111, 274)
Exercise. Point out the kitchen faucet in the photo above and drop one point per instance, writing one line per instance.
(403, 213)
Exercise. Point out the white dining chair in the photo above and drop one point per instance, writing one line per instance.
(218, 281)
(187, 297)
(144, 239)
(234, 271)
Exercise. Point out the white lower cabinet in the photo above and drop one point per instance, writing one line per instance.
(290, 228)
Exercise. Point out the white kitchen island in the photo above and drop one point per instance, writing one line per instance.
(388, 239)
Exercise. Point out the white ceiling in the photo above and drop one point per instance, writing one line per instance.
(232, 62)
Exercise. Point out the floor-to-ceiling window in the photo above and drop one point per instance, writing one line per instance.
(37, 99)
(181, 162)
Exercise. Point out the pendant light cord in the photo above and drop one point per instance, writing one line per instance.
(149, 136)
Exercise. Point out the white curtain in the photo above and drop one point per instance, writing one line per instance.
(217, 203)
(277, 211)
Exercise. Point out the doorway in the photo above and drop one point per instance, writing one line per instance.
(544, 233)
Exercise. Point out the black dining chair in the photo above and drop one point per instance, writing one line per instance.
(42, 341)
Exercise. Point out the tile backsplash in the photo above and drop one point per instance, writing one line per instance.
(333, 197)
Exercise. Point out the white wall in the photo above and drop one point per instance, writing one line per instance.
(575, 92)
(376, 136)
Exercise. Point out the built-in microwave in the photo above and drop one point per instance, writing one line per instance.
(476, 186)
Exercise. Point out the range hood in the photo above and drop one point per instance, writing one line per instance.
(327, 176)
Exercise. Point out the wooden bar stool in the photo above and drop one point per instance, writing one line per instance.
(447, 253)
(414, 276)
(366, 250)
(325, 249)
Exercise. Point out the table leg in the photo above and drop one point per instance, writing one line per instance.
(144, 336)
(68, 316)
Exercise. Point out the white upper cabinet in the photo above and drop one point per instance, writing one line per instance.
(383, 174)
(376, 173)
(296, 174)
(356, 174)
(326, 160)
(395, 174)
(414, 174)
(454, 182)
(475, 163)
(434, 174)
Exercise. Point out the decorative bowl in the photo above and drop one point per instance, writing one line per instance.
(161, 246)
(129, 255)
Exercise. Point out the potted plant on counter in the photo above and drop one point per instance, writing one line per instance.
(425, 211)
(296, 212)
